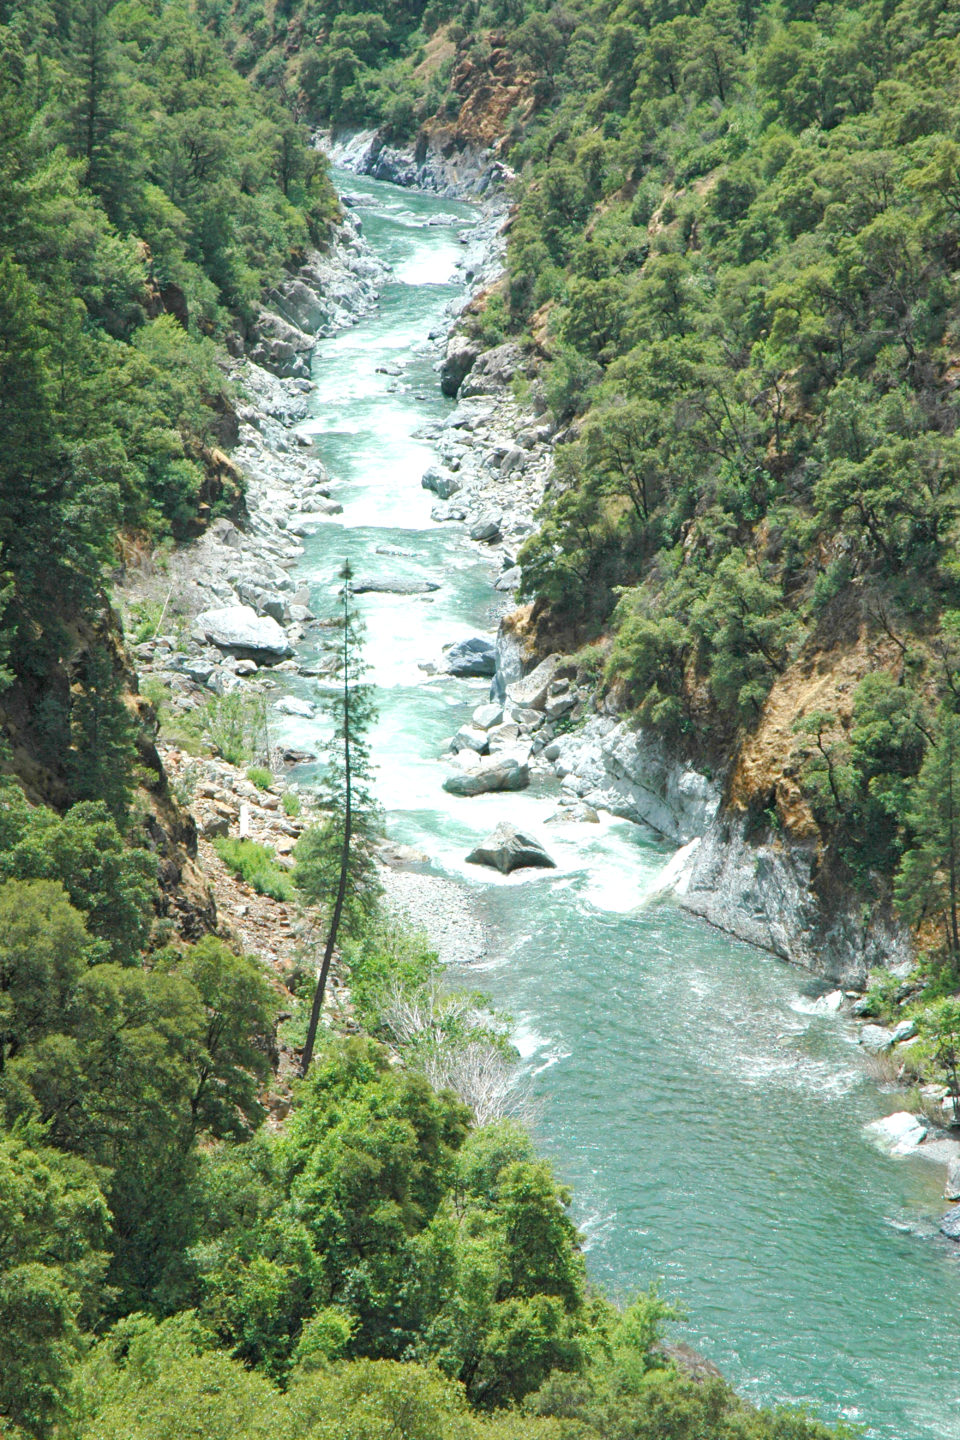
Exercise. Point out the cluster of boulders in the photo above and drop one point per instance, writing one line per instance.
(330, 291)
(495, 749)
(224, 802)
(495, 455)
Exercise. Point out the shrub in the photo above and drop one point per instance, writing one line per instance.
(256, 865)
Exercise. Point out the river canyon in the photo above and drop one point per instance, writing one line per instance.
(706, 1113)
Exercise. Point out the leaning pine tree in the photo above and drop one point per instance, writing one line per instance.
(335, 866)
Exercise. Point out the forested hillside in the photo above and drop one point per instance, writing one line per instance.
(735, 253)
(147, 196)
(734, 257)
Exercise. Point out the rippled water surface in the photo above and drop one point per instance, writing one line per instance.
(709, 1120)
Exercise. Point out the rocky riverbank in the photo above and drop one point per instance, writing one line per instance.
(457, 169)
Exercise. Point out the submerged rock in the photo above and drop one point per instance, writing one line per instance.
(475, 656)
(239, 630)
(500, 772)
(384, 585)
(510, 849)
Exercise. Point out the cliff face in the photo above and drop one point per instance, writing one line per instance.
(757, 865)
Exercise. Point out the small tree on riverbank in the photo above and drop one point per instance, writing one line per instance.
(335, 860)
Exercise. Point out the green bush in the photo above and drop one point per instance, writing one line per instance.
(256, 865)
(260, 776)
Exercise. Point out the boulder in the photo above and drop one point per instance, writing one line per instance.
(557, 706)
(503, 736)
(200, 670)
(239, 630)
(499, 772)
(470, 737)
(509, 580)
(532, 690)
(905, 1030)
(275, 607)
(312, 520)
(486, 715)
(293, 705)
(441, 481)
(487, 528)
(457, 363)
(876, 1038)
(510, 849)
(514, 459)
(950, 1224)
(442, 513)
(898, 1134)
(387, 585)
(474, 656)
(493, 370)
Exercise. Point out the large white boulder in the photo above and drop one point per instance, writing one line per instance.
(239, 630)
(898, 1134)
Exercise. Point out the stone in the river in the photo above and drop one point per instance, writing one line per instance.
(239, 630)
(899, 1133)
(486, 715)
(500, 772)
(487, 528)
(293, 705)
(876, 1038)
(442, 513)
(510, 849)
(385, 585)
(475, 656)
(950, 1224)
(951, 1189)
(509, 580)
(442, 482)
(532, 690)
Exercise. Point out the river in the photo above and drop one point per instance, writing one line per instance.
(709, 1120)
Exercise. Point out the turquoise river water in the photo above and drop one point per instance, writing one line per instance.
(708, 1119)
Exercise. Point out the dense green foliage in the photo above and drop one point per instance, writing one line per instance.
(168, 1265)
(148, 195)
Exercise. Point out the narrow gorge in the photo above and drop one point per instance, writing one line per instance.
(706, 1101)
